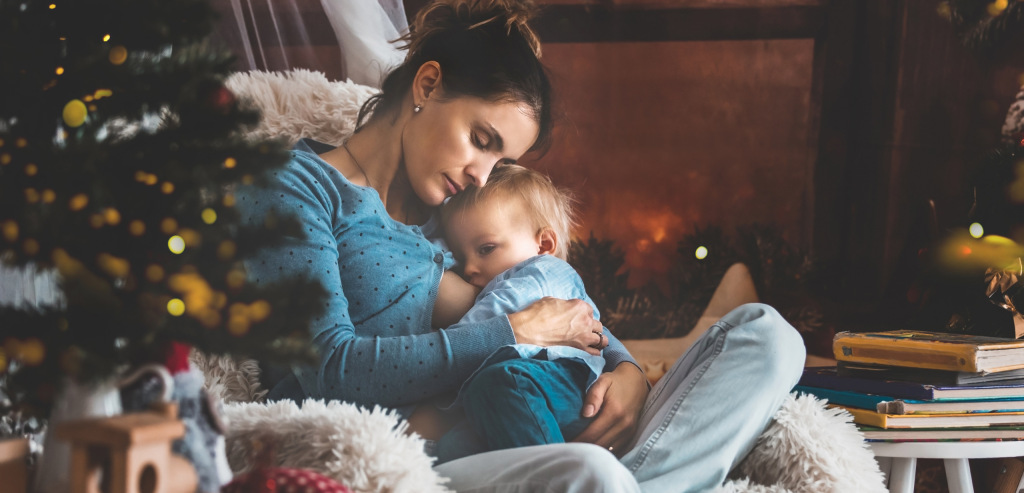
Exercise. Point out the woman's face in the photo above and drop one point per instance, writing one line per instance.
(455, 143)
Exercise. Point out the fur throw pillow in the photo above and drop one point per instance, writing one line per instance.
(300, 104)
(367, 451)
(809, 448)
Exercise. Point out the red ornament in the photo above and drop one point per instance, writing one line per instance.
(176, 357)
(281, 480)
(221, 98)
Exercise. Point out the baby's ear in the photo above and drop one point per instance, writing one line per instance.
(547, 241)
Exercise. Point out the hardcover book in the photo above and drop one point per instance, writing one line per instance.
(935, 350)
(827, 377)
(995, 433)
(890, 405)
(881, 420)
(925, 375)
(901, 406)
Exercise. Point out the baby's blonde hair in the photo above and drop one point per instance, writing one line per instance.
(546, 205)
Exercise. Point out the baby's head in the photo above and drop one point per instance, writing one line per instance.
(517, 215)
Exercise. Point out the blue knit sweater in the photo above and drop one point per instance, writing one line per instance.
(375, 339)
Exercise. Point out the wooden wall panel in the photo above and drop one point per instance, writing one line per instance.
(658, 138)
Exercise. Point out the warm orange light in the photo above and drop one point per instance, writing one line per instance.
(965, 251)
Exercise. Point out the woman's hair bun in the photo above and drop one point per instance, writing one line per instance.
(446, 15)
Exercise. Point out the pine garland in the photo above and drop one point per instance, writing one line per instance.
(986, 27)
(783, 275)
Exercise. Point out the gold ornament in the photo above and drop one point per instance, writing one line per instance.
(75, 113)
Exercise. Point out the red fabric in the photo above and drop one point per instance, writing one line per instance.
(284, 480)
(176, 359)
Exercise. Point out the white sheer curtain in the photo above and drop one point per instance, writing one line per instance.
(342, 38)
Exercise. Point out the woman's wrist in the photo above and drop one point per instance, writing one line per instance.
(516, 321)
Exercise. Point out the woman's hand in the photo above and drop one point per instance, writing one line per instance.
(616, 398)
(557, 322)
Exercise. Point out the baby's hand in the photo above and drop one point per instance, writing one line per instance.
(455, 297)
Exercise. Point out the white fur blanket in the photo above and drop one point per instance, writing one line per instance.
(807, 449)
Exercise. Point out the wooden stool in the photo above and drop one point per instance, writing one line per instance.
(954, 454)
(133, 451)
(13, 468)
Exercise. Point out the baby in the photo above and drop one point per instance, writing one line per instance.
(511, 239)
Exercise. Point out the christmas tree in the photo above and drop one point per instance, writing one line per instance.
(119, 151)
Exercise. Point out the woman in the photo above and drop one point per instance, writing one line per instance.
(472, 95)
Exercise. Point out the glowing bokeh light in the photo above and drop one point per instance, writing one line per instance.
(701, 253)
(75, 113)
(966, 250)
(977, 231)
(176, 307)
(137, 228)
(209, 216)
(176, 244)
(118, 55)
(78, 202)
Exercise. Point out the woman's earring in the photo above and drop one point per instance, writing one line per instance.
(417, 108)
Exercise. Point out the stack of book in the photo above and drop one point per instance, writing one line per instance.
(925, 386)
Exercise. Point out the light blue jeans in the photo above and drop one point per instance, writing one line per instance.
(699, 421)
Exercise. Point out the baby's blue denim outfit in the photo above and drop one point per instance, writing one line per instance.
(524, 394)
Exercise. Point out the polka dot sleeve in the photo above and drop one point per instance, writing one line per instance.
(369, 354)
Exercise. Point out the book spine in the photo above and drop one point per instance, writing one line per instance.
(918, 357)
(844, 397)
(906, 390)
